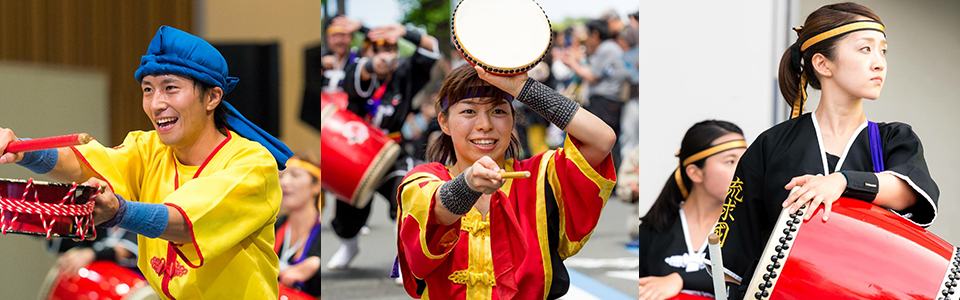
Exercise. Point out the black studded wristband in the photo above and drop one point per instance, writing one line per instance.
(457, 196)
(861, 185)
(556, 108)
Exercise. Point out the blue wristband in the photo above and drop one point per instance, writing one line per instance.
(146, 219)
(121, 211)
(41, 161)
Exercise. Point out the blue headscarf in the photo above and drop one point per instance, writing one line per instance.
(173, 51)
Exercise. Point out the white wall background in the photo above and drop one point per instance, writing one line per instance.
(40, 101)
(922, 89)
(702, 60)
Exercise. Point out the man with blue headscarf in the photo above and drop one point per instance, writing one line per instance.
(201, 190)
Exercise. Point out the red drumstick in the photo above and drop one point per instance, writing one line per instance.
(48, 143)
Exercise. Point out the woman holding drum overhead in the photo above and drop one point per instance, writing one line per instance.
(831, 152)
(673, 234)
(470, 230)
(466, 231)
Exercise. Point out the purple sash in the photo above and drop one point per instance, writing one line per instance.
(876, 148)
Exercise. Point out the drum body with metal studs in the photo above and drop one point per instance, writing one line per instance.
(504, 37)
(354, 155)
(863, 251)
(46, 208)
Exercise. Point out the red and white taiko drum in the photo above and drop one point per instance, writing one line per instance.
(102, 280)
(504, 37)
(46, 208)
(338, 99)
(863, 251)
(292, 294)
(354, 155)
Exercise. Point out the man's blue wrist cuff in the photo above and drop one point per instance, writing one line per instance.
(146, 219)
(41, 161)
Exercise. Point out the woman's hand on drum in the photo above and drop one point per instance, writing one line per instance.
(106, 202)
(74, 259)
(815, 190)
(6, 137)
(658, 288)
(510, 84)
(484, 176)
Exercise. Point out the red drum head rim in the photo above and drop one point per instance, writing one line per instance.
(325, 113)
(380, 164)
(501, 70)
(48, 283)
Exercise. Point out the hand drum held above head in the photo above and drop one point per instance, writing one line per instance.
(504, 37)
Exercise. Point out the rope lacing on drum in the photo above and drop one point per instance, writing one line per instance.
(81, 213)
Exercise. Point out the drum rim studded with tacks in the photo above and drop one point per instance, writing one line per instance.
(777, 262)
(484, 63)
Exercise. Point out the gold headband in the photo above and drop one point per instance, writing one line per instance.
(702, 155)
(313, 170)
(335, 29)
(840, 30)
(817, 38)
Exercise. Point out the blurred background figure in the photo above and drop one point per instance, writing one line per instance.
(628, 190)
(601, 65)
(673, 234)
(380, 90)
(298, 228)
(629, 134)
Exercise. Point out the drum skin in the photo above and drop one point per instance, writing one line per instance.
(47, 192)
(482, 23)
(354, 155)
(863, 251)
(292, 294)
(102, 280)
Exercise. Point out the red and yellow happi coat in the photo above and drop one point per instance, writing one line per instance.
(517, 251)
